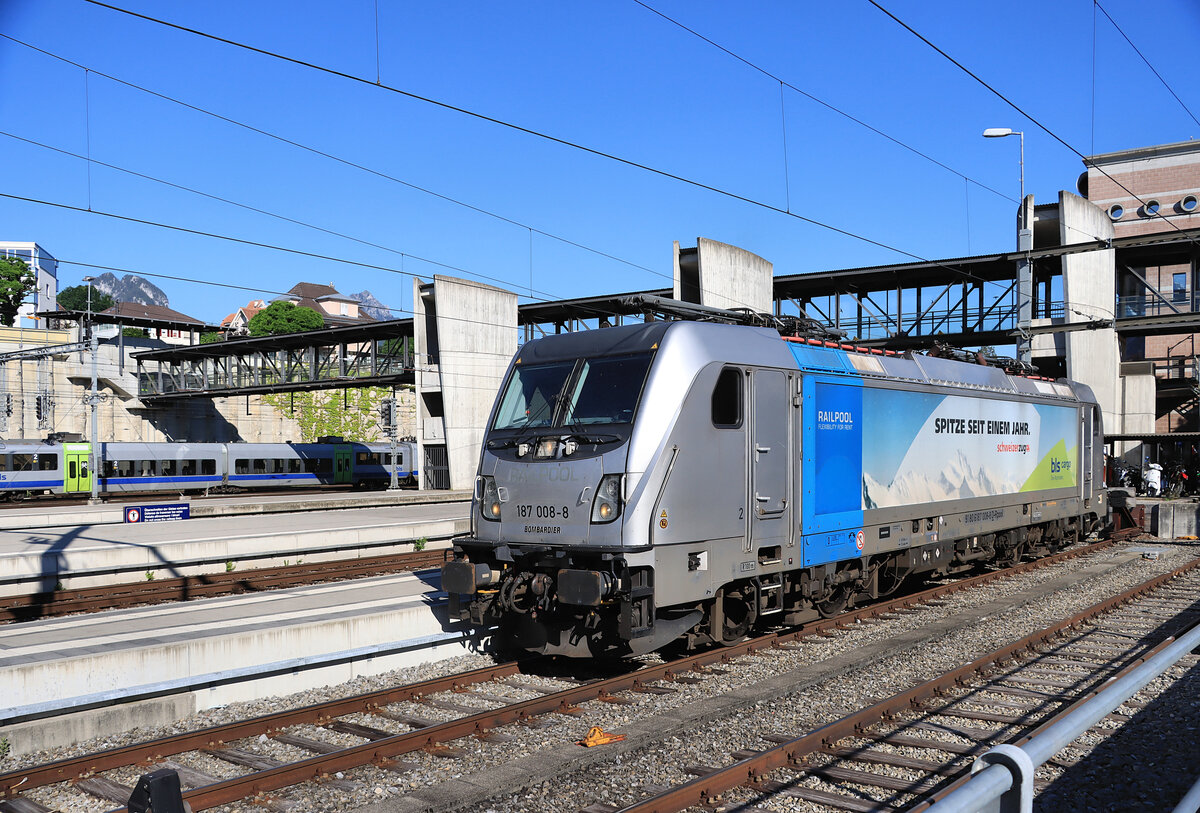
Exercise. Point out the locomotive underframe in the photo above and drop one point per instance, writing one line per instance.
(596, 602)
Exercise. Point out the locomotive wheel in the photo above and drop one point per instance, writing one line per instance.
(835, 604)
(733, 615)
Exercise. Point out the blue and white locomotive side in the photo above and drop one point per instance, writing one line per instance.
(643, 483)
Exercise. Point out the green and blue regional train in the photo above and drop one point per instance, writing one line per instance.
(33, 468)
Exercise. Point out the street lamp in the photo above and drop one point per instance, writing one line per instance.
(1001, 132)
(93, 401)
(1024, 266)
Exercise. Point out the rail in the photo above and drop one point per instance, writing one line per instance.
(1003, 776)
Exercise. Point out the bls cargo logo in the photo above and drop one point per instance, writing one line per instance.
(1059, 466)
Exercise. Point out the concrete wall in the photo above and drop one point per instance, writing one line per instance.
(469, 331)
(723, 276)
(1093, 356)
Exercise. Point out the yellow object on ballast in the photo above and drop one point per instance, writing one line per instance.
(598, 736)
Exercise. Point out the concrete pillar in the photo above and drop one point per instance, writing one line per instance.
(465, 335)
(1089, 293)
(723, 276)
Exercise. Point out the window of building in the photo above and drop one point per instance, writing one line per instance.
(1116, 211)
(1179, 287)
(1151, 208)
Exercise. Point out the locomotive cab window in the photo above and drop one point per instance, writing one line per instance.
(727, 399)
(581, 392)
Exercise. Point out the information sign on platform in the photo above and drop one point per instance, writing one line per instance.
(159, 512)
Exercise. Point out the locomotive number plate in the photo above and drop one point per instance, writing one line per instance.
(525, 511)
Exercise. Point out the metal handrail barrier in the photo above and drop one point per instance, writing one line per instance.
(1002, 778)
(1190, 803)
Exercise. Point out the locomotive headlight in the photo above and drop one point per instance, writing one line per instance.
(607, 505)
(489, 501)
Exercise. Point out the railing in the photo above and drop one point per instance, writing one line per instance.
(1004, 775)
(1164, 305)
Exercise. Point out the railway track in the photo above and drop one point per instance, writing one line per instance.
(1006, 696)
(130, 594)
(403, 720)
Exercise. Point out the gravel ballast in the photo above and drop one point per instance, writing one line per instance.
(784, 691)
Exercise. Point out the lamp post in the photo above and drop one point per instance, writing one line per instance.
(1024, 266)
(93, 402)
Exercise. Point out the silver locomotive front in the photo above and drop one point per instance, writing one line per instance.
(546, 559)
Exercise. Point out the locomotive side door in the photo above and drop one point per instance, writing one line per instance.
(770, 463)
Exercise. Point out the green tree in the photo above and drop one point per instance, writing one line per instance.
(211, 336)
(75, 298)
(16, 280)
(284, 317)
(135, 333)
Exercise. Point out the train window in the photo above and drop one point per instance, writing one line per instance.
(606, 391)
(167, 468)
(531, 394)
(187, 468)
(727, 399)
(124, 468)
(47, 462)
(208, 467)
(147, 467)
(294, 466)
(22, 462)
(71, 470)
(279, 466)
(241, 466)
(259, 465)
(318, 465)
(362, 457)
(4, 462)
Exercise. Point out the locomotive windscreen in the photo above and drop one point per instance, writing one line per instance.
(583, 392)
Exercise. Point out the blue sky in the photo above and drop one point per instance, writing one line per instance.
(612, 76)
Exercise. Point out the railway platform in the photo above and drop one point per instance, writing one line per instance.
(73, 556)
(50, 511)
(61, 678)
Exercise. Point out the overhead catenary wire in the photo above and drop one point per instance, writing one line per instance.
(547, 295)
(818, 100)
(1153, 70)
(545, 136)
(1086, 160)
(330, 156)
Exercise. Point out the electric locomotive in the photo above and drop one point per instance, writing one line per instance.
(692, 480)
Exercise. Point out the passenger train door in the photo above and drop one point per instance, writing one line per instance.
(770, 463)
(342, 466)
(77, 479)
